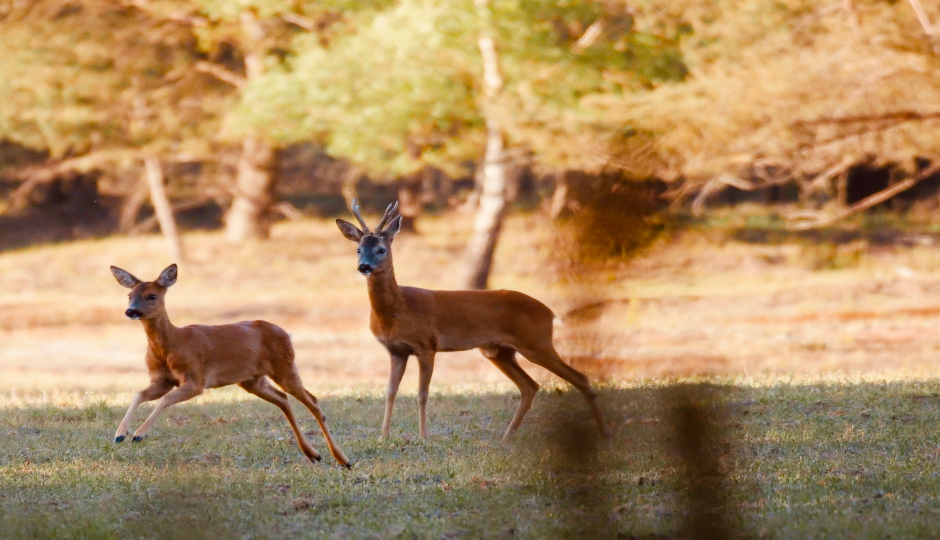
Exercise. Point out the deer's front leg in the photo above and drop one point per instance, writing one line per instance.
(187, 390)
(426, 368)
(156, 390)
(399, 362)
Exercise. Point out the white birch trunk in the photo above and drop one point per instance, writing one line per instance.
(492, 205)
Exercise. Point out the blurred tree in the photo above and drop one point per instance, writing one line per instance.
(438, 83)
(101, 82)
(792, 90)
(105, 81)
(256, 36)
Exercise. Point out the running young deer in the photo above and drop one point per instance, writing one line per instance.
(185, 361)
(411, 321)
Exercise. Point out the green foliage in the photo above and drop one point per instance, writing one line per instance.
(404, 90)
(97, 75)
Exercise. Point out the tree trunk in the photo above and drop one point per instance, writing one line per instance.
(492, 205)
(131, 206)
(929, 29)
(250, 213)
(490, 214)
(409, 206)
(560, 197)
(161, 206)
(842, 189)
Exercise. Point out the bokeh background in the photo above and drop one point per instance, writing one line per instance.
(695, 187)
(742, 192)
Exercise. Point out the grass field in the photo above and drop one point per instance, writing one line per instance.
(812, 363)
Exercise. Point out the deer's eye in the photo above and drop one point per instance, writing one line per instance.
(151, 297)
(358, 251)
(381, 251)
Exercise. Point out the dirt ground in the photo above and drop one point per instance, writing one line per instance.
(693, 303)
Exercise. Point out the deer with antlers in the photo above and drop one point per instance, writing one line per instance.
(410, 321)
(185, 361)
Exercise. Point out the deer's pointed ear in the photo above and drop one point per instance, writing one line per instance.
(167, 276)
(124, 277)
(350, 231)
(392, 228)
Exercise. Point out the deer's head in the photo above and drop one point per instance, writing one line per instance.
(146, 297)
(374, 247)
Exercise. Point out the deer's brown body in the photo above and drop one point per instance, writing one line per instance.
(183, 362)
(446, 321)
(216, 356)
(411, 321)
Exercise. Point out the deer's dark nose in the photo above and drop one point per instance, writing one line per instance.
(365, 269)
(134, 314)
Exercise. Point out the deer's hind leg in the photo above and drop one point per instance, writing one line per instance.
(260, 387)
(292, 384)
(504, 358)
(425, 370)
(548, 358)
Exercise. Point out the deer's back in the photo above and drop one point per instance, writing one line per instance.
(469, 319)
(233, 353)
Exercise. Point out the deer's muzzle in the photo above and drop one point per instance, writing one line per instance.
(134, 314)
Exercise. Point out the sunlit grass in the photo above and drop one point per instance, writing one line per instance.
(827, 407)
(848, 456)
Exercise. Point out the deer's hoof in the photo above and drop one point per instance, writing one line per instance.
(347, 465)
(315, 459)
(119, 438)
(138, 438)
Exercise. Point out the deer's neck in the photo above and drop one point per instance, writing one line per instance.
(385, 296)
(160, 333)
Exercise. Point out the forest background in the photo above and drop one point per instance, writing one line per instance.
(732, 206)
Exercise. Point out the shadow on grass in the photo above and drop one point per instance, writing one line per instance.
(685, 461)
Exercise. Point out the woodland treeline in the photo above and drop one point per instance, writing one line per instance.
(159, 107)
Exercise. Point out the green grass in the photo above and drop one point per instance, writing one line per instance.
(826, 460)
(844, 458)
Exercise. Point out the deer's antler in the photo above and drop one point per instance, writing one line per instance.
(355, 211)
(390, 213)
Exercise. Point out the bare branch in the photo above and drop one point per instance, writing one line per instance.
(698, 204)
(590, 35)
(925, 23)
(808, 221)
(897, 116)
(149, 223)
(34, 176)
(831, 172)
(297, 20)
(219, 72)
(288, 210)
(849, 8)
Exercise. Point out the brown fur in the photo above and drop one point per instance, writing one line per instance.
(182, 362)
(411, 321)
